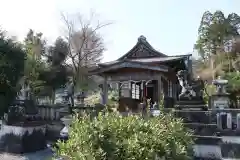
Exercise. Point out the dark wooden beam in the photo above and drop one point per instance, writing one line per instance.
(134, 76)
(126, 64)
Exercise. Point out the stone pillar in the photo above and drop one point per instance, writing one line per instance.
(238, 121)
(105, 91)
(229, 121)
(224, 120)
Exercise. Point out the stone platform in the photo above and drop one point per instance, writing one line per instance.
(204, 126)
(22, 138)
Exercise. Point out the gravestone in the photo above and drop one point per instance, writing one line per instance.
(238, 121)
(191, 95)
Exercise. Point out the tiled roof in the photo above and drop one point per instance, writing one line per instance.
(108, 63)
(156, 59)
(147, 60)
(129, 64)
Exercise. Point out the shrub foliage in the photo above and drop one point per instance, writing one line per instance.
(113, 137)
(12, 58)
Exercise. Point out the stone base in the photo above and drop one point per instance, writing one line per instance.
(184, 102)
(224, 101)
(191, 99)
(28, 105)
(18, 140)
(207, 147)
(208, 152)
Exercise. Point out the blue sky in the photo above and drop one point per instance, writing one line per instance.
(170, 26)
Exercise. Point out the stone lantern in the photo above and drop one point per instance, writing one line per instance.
(220, 101)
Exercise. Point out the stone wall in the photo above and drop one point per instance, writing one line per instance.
(19, 139)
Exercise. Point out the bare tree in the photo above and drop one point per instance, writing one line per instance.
(86, 45)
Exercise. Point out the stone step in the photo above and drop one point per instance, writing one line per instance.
(194, 116)
(207, 140)
(211, 130)
(192, 107)
(202, 129)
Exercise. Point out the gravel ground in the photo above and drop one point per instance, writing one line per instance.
(40, 155)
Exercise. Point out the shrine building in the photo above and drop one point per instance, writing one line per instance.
(144, 73)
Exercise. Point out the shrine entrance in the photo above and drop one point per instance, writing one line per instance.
(151, 91)
(142, 73)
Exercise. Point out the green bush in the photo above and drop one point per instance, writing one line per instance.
(113, 137)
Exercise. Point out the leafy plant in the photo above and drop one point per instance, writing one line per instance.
(114, 137)
(208, 91)
(233, 81)
(11, 70)
(96, 98)
(32, 69)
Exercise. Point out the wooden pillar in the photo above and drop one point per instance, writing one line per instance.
(144, 91)
(159, 90)
(105, 91)
(130, 88)
(174, 90)
(119, 89)
(170, 88)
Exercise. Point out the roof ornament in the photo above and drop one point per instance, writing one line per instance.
(140, 49)
(142, 38)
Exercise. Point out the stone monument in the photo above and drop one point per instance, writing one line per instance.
(191, 95)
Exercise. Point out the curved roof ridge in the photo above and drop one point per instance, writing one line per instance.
(142, 41)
